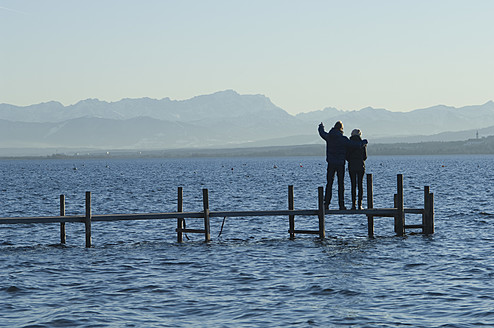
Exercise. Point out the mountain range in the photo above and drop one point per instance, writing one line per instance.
(222, 119)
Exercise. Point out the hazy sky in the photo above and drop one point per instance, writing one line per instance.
(304, 55)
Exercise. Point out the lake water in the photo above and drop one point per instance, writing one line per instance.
(252, 275)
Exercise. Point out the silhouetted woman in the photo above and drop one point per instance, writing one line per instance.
(356, 168)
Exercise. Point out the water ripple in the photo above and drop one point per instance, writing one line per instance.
(253, 275)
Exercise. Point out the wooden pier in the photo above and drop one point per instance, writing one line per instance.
(397, 212)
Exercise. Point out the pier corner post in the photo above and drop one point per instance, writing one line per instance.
(431, 214)
(62, 224)
(321, 212)
(400, 217)
(291, 218)
(88, 219)
(395, 205)
(180, 221)
(425, 219)
(370, 204)
(429, 225)
(205, 201)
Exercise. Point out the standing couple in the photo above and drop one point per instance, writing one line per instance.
(338, 149)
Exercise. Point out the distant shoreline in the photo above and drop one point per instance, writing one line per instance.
(471, 146)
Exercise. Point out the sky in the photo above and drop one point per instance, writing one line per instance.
(304, 55)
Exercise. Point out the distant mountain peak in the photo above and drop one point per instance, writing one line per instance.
(90, 101)
(330, 109)
(224, 93)
(227, 91)
(374, 110)
(368, 108)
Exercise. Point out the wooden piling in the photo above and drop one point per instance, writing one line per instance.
(429, 214)
(370, 204)
(321, 212)
(180, 221)
(425, 213)
(400, 215)
(291, 218)
(395, 205)
(205, 201)
(87, 220)
(62, 224)
(430, 230)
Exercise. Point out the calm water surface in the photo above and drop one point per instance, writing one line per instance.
(252, 275)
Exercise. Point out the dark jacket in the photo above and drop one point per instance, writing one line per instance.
(356, 156)
(337, 144)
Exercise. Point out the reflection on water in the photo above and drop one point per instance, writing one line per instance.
(252, 275)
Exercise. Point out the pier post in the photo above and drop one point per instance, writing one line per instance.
(291, 218)
(62, 224)
(87, 221)
(429, 214)
(395, 205)
(180, 221)
(370, 204)
(321, 212)
(205, 201)
(425, 219)
(400, 215)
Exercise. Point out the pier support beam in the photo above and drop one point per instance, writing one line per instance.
(205, 202)
(180, 221)
(87, 221)
(400, 215)
(428, 217)
(62, 224)
(321, 212)
(430, 229)
(291, 218)
(425, 219)
(370, 204)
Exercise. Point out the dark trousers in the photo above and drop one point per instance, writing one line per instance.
(356, 179)
(340, 172)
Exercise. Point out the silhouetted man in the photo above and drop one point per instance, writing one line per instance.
(336, 146)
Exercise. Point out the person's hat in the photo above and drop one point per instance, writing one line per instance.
(356, 132)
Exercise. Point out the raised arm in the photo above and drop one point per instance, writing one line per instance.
(322, 133)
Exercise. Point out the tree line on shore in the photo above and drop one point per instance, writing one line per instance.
(483, 145)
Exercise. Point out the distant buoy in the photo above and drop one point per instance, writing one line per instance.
(275, 167)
